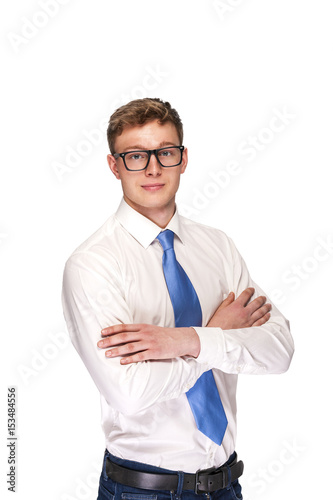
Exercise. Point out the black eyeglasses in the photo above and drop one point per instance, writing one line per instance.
(139, 160)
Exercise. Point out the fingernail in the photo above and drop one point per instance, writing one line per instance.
(100, 343)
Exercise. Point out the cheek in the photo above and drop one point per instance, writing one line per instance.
(130, 185)
(175, 180)
(127, 186)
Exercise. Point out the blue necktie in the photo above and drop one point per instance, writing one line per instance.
(203, 397)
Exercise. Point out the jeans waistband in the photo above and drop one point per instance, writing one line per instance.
(150, 477)
(140, 466)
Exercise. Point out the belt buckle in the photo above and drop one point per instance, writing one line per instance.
(203, 473)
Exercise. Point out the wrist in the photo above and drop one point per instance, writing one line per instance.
(194, 345)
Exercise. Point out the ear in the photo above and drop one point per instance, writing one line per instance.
(184, 161)
(113, 165)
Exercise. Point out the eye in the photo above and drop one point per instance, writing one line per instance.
(166, 152)
(136, 156)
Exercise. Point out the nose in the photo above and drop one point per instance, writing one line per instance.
(154, 168)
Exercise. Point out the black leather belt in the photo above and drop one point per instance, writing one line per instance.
(204, 481)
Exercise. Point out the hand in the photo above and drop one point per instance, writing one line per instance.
(241, 313)
(141, 342)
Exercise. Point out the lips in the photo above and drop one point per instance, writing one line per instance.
(152, 187)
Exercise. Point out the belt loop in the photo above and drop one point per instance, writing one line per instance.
(229, 477)
(104, 474)
(180, 475)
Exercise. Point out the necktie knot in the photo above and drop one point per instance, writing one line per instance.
(166, 239)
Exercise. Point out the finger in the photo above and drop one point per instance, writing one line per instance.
(125, 350)
(111, 330)
(262, 320)
(137, 358)
(245, 296)
(146, 354)
(259, 313)
(226, 302)
(118, 339)
(256, 304)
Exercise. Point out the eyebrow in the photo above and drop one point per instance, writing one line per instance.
(139, 147)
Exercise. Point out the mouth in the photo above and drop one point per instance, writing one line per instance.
(152, 187)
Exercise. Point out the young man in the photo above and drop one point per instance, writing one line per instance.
(164, 315)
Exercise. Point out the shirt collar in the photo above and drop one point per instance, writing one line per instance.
(142, 229)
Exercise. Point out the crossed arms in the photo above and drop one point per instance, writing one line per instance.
(244, 335)
(143, 342)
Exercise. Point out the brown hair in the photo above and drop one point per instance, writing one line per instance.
(140, 111)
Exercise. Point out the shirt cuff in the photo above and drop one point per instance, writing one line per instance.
(212, 346)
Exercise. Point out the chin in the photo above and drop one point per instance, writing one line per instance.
(150, 202)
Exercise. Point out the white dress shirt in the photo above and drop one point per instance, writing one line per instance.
(116, 276)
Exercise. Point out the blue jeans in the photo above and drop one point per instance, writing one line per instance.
(110, 490)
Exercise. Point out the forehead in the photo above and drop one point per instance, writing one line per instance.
(151, 135)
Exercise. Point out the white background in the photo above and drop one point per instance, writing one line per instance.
(66, 66)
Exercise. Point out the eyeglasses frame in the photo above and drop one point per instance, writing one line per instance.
(150, 152)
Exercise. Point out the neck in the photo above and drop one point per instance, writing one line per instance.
(161, 216)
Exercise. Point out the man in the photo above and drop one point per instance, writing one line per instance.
(164, 315)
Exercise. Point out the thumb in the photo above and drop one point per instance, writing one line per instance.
(228, 300)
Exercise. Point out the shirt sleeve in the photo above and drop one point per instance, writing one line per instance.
(265, 349)
(90, 303)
